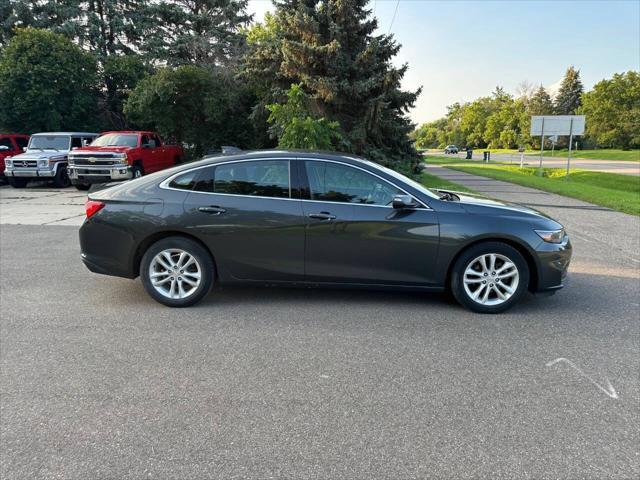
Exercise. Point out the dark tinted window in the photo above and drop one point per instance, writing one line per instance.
(265, 178)
(22, 142)
(76, 142)
(335, 182)
(186, 181)
(6, 142)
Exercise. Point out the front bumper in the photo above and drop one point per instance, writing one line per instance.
(29, 172)
(99, 173)
(553, 264)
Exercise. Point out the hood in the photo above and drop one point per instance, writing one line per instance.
(113, 149)
(479, 204)
(40, 154)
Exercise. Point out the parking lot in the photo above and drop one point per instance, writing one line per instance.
(99, 381)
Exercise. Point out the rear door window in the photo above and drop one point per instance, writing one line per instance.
(263, 178)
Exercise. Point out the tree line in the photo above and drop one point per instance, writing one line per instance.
(502, 120)
(312, 75)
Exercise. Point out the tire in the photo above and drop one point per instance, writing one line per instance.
(136, 172)
(168, 292)
(82, 186)
(61, 179)
(17, 182)
(509, 285)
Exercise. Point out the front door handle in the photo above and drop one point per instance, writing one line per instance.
(322, 216)
(212, 210)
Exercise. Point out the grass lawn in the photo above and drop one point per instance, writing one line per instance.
(432, 181)
(600, 154)
(612, 190)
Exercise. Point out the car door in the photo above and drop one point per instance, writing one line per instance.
(244, 212)
(354, 235)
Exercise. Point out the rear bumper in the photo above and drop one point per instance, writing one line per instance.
(99, 173)
(107, 250)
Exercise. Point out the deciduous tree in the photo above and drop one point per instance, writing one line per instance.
(46, 83)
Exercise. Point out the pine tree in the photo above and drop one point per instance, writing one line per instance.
(540, 102)
(569, 95)
(329, 48)
(201, 32)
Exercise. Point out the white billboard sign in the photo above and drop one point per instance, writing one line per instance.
(549, 125)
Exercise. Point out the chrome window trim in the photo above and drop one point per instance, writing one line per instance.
(165, 183)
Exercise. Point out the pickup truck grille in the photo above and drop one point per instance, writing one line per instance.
(96, 159)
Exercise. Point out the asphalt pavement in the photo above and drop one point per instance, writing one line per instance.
(99, 381)
(558, 161)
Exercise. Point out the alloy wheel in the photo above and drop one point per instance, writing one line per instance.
(175, 273)
(491, 279)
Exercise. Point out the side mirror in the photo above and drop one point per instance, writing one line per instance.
(404, 201)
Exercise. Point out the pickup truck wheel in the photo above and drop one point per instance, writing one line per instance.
(61, 180)
(82, 186)
(17, 182)
(177, 271)
(136, 171)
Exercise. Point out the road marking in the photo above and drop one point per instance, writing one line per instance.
(610, 391)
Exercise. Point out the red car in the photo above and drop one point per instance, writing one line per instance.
(115, 156)
(10, 145)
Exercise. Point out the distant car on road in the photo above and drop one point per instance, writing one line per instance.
(451, 149)
(11, 145)
(115, 156)
(45, 158)
(317, 219)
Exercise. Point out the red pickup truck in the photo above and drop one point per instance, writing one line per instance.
(10, 145)
(115, 156)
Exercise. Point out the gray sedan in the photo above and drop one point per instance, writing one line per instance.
(317, 220)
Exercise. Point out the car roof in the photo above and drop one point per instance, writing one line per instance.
(128, 132)
(2, 135)
(311, 154)
(79, 134)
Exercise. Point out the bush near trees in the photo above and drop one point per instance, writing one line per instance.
(504, 121)
(197, 106)
(46, 83)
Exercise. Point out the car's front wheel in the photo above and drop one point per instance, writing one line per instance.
(177, 271)
(489, 277)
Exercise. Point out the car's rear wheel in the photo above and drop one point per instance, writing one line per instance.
(177, 271)
(489, 277)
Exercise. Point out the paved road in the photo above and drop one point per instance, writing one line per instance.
(608, 166)
(98, 381)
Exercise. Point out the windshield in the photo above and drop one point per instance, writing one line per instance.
(407, 180)
(116, 140)
(50, 142)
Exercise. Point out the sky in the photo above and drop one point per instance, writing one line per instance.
(459, 50)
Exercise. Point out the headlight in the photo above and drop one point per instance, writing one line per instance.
(120, 155)
(43, 163)
(551, 236)
(8, 162)
(71, 161)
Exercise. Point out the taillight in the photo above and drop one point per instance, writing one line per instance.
(92, 207)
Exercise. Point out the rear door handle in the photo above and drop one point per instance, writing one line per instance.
(212, 210)
(322, 216)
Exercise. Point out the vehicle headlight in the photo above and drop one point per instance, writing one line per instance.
(8, 162)
(551, 236)
(120, 155)
(71, 161)
(43, 163)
